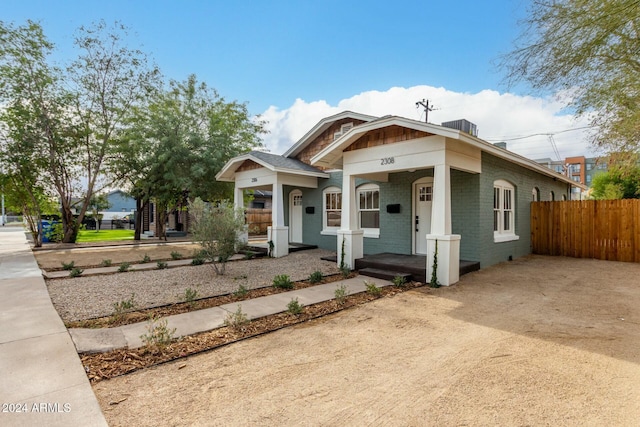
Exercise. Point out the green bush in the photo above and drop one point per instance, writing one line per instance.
(124, 267)
(146, 259)
(158, 334)
(176, 255)
(199, 257)
(162, 265)
(190, 296)
(237, 320)
(75, 272)
(282, 281)
(241, 292)
(120, 308)
(399, 281)
(68, 266)
(106, 263)
(341, 294)
(315, 277)
(294, 307)
(372, 289)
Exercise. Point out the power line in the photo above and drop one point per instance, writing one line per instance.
(536, 134)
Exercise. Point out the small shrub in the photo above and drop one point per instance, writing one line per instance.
(106, 263)
(199, 257)
(241, 292)
(282, 281)
(75, 272)
(120, 308)
(176, 255)
(315, 277)
(146, 259)
(399, 281)
(249, 254)
(190, 295)
(237, 320)
(294, 307)
(372, 289)
(162, 265)
(341, 293)
(158, 334)
(345, 271)
(124, 267)
(68, 266)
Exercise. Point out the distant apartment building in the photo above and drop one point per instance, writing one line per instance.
(579, 168)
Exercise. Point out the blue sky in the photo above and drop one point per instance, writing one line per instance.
(296, 62)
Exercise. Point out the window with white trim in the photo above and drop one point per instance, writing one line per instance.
(331, 209)
(504, 225)
(369, 209)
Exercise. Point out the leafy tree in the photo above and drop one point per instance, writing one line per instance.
(617, 183)
(173, 147)
(588, 50)
(69, 119)
(217, 229)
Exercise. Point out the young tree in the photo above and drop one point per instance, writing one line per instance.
(617, 183)
(99, 202)
(588, 49)
(217, 229)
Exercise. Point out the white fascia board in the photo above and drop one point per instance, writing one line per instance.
(227, 172)
(321, 126)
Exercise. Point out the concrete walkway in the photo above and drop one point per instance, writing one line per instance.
(106, 339)
(43, 381)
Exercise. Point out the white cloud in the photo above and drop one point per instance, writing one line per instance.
(499, 116)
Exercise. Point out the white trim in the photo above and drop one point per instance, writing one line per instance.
(228, 172)
(292, 195)
(414, 185)
(331, 155)
(326, 230)
(372, 232)
(502, 235)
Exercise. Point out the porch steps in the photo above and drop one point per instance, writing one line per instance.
(384, 274)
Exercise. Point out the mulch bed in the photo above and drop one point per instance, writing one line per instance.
(101, 366)
(199, 304)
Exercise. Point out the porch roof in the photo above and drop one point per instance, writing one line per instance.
(272, 162)
(331, 156)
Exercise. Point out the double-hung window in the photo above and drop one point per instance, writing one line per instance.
(332, 210)
(504, 227)
(369, 209)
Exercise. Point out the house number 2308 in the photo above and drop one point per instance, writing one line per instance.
(387, 161)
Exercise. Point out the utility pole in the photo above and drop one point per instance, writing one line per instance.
(425, 103)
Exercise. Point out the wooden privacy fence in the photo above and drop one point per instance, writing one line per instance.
(258, 220)
(601, 229)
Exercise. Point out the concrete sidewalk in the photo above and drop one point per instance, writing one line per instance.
(43, 381)
(106, 339)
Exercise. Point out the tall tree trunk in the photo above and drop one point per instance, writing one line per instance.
(140, 207)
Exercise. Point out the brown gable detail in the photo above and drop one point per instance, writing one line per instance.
(248, 165)
(388, 135)
(322, 141)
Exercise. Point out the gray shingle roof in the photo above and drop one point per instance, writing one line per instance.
(278, 161)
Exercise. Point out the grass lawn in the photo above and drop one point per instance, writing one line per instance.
(102, 235)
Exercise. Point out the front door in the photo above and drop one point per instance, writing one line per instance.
(423, 195)
(295, 216)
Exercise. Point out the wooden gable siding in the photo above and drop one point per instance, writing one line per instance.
(388, 135)
(322, 141)
(248, 165)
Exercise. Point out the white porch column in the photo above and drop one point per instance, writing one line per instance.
(448, 245)
(238, 203)
(349, 232)
(278, 233)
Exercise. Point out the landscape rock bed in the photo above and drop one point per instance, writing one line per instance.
(94, 296)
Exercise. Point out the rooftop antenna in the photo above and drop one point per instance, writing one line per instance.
(425, 103)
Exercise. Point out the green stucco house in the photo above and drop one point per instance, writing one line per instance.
(391, 184)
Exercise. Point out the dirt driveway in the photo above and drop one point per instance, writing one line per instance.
(538, 341)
